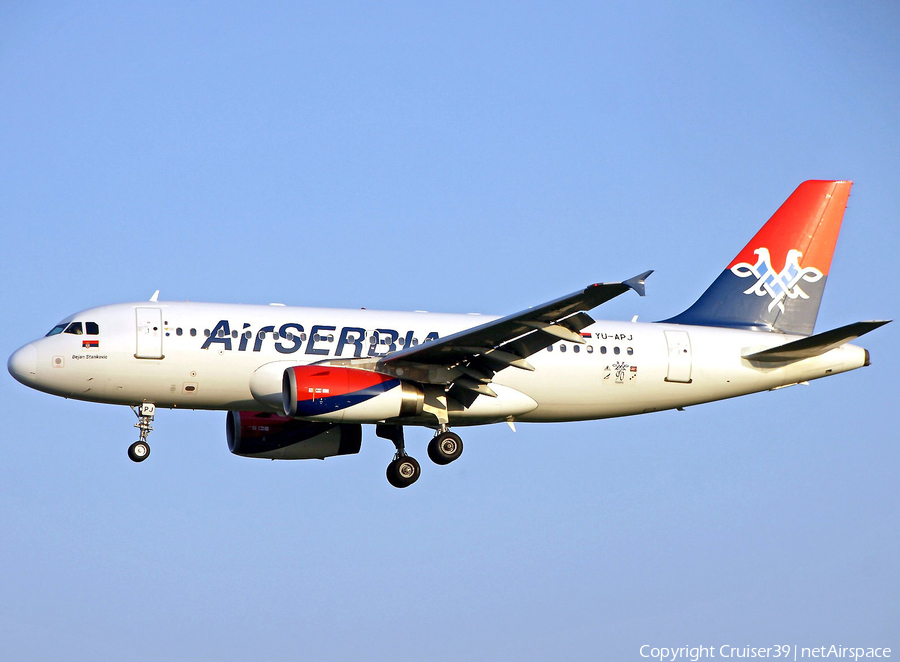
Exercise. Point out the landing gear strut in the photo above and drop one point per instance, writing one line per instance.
(403, 470)
(445, 447)
(140, 450)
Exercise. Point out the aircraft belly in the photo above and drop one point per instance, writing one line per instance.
(509, 403)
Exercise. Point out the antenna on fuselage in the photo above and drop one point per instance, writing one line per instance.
(155, 296)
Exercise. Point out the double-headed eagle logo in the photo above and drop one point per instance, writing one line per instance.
(777, 285)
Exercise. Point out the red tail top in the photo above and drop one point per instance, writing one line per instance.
(809, 221)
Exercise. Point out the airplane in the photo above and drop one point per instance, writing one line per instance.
(299, 383)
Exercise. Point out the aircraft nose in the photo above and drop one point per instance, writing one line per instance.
(23, 364)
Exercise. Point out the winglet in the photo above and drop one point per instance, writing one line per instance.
(155, 296)
(637, 283)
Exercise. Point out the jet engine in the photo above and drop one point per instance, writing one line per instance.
(348, 395)
(274, 437)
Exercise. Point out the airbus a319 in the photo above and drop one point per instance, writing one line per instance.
(299, 383)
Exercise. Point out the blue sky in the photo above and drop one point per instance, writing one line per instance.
(456, 157)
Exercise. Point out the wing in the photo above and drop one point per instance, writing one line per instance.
(468, 360)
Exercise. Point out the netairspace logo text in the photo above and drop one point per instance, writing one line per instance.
(785, 652)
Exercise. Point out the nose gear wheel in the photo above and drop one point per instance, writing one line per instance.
(140, 450)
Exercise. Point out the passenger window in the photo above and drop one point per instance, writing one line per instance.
(75, 329)
(178, 331)
(549, 348)
(616, 350)
(91, 328)
(590, 349)
(193, 332)
(562, 348)
(629, 351)
(56, 329)
(603, 349)
(576, 349)
(206, 332)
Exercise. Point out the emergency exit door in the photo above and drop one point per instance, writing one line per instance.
(149, 333)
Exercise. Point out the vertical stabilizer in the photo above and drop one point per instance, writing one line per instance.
(776, 282)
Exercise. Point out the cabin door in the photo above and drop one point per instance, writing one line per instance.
(149, 333)
(679, 357)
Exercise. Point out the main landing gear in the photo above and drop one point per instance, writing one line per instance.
(140, 450)
(404, 470)
(445, 447)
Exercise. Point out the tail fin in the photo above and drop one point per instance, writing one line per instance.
(776, 282)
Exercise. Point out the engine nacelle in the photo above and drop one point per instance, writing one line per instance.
(348, 395)
(274, 437)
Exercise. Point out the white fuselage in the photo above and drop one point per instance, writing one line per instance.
(231, 357)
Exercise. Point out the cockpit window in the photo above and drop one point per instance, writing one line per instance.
(76, 329)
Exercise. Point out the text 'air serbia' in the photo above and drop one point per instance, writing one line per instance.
(299, 383)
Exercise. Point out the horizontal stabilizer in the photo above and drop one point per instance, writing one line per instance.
(815, 345)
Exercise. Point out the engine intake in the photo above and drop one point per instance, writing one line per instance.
(270, 436)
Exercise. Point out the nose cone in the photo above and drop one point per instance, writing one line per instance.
(23, 364)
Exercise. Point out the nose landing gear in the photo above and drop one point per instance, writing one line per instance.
(140, 450)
